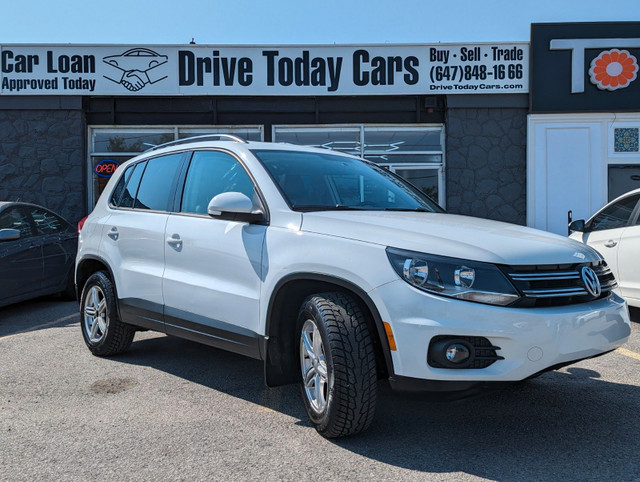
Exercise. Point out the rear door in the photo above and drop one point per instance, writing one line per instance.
(59, 245)
(133, 240)
(214, 267)
(20, 259)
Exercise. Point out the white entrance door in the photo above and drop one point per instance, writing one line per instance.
(565, 172)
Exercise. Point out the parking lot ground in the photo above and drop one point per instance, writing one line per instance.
(170, 409)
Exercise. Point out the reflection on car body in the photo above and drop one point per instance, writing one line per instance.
(37, 253)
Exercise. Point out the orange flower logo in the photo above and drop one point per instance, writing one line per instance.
(613, 69)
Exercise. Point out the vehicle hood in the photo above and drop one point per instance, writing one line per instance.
(451, 235)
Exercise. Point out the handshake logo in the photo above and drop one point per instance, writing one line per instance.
(135, 68)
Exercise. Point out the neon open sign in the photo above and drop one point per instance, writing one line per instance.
(106, 168)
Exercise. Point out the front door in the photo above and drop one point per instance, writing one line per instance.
(605, 233)
(20, 259)
(213, 271)
(628, 263)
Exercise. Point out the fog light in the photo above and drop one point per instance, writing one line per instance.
(457, 353)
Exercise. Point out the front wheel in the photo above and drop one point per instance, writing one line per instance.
(337, 360)
(102, 330)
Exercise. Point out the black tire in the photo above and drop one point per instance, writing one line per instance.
(343, 402)
(102, 330)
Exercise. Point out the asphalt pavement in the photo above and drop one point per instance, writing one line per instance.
(170, 409)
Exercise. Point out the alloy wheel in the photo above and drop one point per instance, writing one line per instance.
(95, 314)
(314, 366)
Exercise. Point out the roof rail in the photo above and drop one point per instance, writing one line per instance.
(194, 138)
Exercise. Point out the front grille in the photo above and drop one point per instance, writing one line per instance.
(557, 285)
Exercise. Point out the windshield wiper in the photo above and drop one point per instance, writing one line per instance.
(321, 207)
(412, 210)
(344, 207)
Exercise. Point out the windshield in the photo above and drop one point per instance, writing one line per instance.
(313, 181)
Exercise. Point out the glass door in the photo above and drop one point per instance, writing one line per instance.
(426, 178)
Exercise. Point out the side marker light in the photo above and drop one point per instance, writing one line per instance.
(390, 338)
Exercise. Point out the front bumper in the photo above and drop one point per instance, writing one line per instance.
(531, 340)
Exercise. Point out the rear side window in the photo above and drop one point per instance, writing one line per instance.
(48, 223)
(128, 196)
(155, 187)
(212, 173)
(615, 216)
(116, 196)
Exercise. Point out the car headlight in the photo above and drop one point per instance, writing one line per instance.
(455, 278)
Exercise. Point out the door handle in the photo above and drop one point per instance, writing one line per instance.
(175, 242)
(113, 234)
(610, 244)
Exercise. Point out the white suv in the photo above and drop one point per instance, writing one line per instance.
(336, 273)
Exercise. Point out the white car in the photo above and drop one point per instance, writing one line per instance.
(336, 273)
(614, 232)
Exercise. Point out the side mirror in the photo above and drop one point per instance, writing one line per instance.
(9, 234)
(577, 225)
(234, 206)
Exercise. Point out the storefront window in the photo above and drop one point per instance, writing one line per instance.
(115, 140)
(112, 146)
(402, 158)
(246, 133)
(424, 179)
(414, 152)
(390, 141)
(345, 140)
(622, 179)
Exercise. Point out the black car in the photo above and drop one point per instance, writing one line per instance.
(37, 253)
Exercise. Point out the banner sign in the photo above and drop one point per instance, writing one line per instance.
(585, 67)
(229, 70)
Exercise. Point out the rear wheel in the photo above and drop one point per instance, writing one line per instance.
(337, 361)
(102, 330)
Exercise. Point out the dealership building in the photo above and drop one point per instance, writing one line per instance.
(520, 132)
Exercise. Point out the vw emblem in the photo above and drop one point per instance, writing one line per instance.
(591, 281)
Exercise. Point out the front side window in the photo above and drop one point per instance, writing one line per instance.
(316, 181)
(16, 219)
(154, 192)
(211, 173)
(615, 216)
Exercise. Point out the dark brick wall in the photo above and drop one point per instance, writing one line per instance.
(486, 171)
(42, 159)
